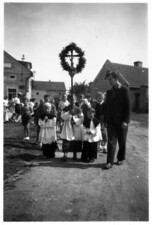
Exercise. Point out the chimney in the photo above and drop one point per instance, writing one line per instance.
(138, 64)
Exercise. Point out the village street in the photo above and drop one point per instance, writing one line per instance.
(53, 190)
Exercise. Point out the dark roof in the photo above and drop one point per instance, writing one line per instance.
(20, 63)
(136, 76)
(49, 85)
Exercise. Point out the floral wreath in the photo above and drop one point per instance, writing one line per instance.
(81, 61)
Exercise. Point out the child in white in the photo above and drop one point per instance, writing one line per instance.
(67, 134)
(47, 135)
(77, 121)
(91, 136)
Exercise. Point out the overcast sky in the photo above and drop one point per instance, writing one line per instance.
(114, 31)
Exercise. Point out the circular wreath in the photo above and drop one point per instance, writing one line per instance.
(81, 61)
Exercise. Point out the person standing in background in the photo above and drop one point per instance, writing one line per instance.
(100, 115)
(18, 105)
(26, 113)
(5, 108)
(62, 104)
(38, 112)
(83, 104)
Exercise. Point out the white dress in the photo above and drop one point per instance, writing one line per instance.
(67, 130)
(47, 133)
(78, 127)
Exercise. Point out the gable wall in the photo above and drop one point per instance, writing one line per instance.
(144, 99)
(20, 81)
(100, 84)
(39, 94)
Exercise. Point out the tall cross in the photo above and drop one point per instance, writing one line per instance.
(72, 56)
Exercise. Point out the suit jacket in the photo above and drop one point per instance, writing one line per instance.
(118, 106)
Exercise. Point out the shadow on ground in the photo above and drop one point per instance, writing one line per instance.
(40, 160)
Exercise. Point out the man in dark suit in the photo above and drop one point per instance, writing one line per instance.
(117, 118)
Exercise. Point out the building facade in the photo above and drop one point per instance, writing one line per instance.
(17, 76)
(53, 89)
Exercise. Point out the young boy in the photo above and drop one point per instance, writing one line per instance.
(47, 135)
(100, 115)
(91, 136)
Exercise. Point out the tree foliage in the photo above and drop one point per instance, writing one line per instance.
(80, 88)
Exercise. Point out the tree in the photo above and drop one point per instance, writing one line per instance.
(80, 88)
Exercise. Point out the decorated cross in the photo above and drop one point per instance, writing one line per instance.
(71, 56)
(68, 52)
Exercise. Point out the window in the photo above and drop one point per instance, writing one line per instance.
(12, 77)
(11, 93)
(37, 93)
(21, 87)
(7, 65)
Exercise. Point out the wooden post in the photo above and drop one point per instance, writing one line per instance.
(72, 91)
(72, 75)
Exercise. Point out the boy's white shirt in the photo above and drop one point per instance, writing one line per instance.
(95, 133)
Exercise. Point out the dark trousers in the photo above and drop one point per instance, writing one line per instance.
(49, 149)
(116, 133)
(67, 146)
(89, 150)
(77, 147)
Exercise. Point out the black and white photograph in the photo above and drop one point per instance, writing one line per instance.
(75, 111)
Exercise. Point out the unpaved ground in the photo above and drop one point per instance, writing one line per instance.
(53, 190)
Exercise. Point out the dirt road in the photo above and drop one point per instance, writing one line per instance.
(53, 190)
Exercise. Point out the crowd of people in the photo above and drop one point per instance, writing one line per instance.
(88, 126)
